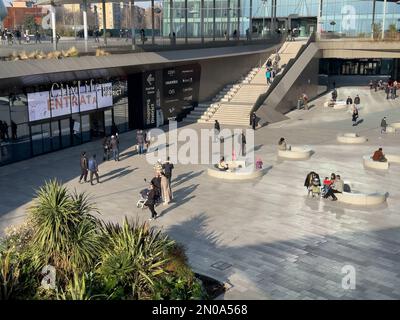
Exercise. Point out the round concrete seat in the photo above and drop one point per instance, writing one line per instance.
(393, 158)
(245, 174)
(340, 105)
(352, 195)
(393, 127)
(351, 138)
(296, 153)
(369, 163)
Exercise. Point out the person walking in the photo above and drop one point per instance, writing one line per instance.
(84, 167)
(383, 125)
(114, 148)
(349, 101)
(106, 149)
(334, 95)
(253, 120)
(357, 100)
(355, 115)
(268, 76)
(217, 129)
(151, 201)
(165, 189)
(168, 167)
(305, 101)
(93, 169)
(242, 140)
(140, 141)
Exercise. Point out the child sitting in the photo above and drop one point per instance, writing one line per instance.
(259, 163)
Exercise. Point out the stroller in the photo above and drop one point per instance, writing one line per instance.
(141, 204)
(315, 189)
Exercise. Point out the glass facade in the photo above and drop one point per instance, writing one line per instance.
(21, 138)
(345, 17)
(362, 67)
(226, 18)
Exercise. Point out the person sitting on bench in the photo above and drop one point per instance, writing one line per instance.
(223, 166)
(379, 156)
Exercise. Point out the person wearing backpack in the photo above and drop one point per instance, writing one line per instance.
(93, 169)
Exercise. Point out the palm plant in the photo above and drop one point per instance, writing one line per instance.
(66, 233)
(134, 258)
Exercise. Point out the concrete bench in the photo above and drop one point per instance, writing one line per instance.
(393, 158)
(369, 163)
(393, 127)
(351, 138)
(236, 164)
(235, 175)
(351, 195)
(296, 153)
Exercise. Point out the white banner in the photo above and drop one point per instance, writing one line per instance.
(87, 100)
(38, 106)
(66, 101)
(104, 95)
(60, 103)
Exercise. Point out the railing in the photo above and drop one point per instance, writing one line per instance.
(261, 99)
(124, 45)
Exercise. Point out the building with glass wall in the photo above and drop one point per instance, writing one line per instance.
(345, 17)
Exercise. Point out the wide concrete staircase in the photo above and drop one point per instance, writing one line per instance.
(233, 104)
(298, 56)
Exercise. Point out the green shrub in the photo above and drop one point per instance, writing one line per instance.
(133, 259)
(66, 234)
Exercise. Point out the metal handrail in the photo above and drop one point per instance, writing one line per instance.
(262, 97)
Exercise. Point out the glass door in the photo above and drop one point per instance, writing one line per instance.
(46, 137)
(86, 136)
(55, 135)
(108, 120)
(37, 143)
(65, 125)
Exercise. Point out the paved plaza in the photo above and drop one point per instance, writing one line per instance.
(266, 239)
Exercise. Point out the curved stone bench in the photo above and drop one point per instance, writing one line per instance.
(296, 153)
(393, 158)
(369, 163)
(351, 138)
(393, 127)
(350, 196)
(235, 175)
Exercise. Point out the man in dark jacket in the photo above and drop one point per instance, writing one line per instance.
(253, 121)
(151, 201)
(383, 125)
(156, 182)
(168, 167)
(242, 140)
(349, 100)
(217, 129)
(84, 167)
(357, 100)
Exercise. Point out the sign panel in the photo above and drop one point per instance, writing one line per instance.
(60, 103)
(38, 105)
(64, 101)
(180, 90)
(87, 99)
(149, 98)
(104, 95)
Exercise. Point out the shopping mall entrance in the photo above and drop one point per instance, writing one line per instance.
(97, 126)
